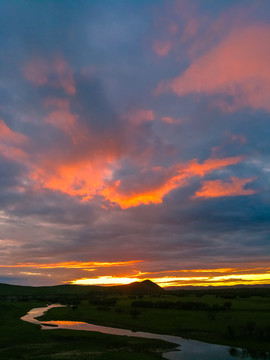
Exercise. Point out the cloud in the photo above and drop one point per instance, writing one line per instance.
(55, 72)
(79, 179)
(232, 141)
(133, 192)
(90, 265)
(219, 188)
(83, 156)
(9, 136)
(237, 67)
(137, 117)
(62, 118)
(170, 120)
(12, 143)
(162, 48)
(191, 29)
(96, 170)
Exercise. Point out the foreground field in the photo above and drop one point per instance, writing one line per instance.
(21, 340)
(234, 317)
(242, 321)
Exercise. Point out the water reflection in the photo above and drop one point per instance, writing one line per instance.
(36, 312)
(186, 350)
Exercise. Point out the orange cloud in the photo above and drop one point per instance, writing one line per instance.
(229, 280)
(86, 168)
(209, 165)
(84, 165)
(82, 169)
(196, 277)
(73, 264)
(178, 177)
(218, 188)
(238, 66)
(55, 73)
(83, 179)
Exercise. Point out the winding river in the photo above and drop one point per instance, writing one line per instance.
(186, 350)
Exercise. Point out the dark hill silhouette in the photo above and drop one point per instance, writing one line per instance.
(72, 293)
(140, 288)
(67, 290)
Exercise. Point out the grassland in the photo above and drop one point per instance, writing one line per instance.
(21, 340)
(238, 318)
(243, 320)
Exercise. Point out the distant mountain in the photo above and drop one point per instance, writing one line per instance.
(140, 288)
(71, 293)
(241, 286)
(135, 288)
(61, 290)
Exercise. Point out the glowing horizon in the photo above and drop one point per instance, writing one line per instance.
(126, 272)
(216, 277)
(167, 281)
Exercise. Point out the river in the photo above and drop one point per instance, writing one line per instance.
(186, 350)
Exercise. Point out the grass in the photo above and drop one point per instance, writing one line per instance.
(245, 324)
(21, 340)
(201, 315)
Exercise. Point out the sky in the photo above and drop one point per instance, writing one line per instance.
(134, 142)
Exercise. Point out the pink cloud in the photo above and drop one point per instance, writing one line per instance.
(227, 141)
(137, 117)
(219, 188)
(56, 73)
(162, 48)
(170, 120)
(190, 30)
(12, 143)
(62, 118)
(10, 136)
(238, 66)
(239, 138)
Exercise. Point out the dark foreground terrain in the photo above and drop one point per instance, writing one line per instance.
(234, 317)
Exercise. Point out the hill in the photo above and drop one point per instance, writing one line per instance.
(54, 293)
(140, 288)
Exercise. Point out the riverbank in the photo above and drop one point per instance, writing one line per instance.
(233, 317)
(186, 349)
(239, 322)
(21, 340)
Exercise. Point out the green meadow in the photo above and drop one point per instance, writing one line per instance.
(240, 321)
(22, 340)
(233, 317)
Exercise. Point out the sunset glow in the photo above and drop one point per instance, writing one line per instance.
(105, 280)
(73, 264)
(168, 281)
